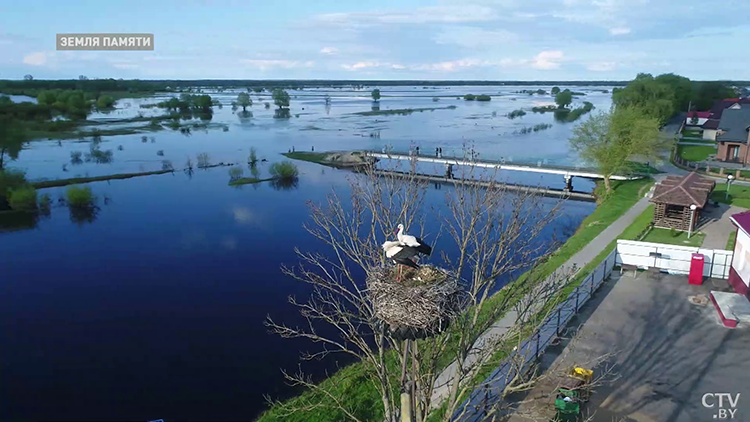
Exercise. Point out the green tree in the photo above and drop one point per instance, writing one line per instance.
(564, 98)
(706, 93)
(610, 140)
(655, 98)
(682, 90)
(202, 102)
(243, 100)
(555, 90)
(46, 97)
(375, 94)
(104, 102)
(280, 98)
(12, 138)
(28, 77)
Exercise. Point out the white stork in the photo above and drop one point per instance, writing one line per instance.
(400, 254)
(412, 241)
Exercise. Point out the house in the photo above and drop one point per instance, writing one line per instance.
(733, 134)
(711, 126)
(697, 118)
(674, 197)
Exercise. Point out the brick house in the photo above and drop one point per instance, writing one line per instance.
(733, 134)
(673, 197)
(711, 125)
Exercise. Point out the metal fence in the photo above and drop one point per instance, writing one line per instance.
(673, 259)
(489, 392)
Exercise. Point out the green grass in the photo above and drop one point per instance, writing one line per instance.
(739, 195)
(642, 168)
(692, 133)
(249, 181)
(80, 196)
(658, 235)
(22, 198)
(730, 241)
(401, 111)
(695, 152)
(285, 170)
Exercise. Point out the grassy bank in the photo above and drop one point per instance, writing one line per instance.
(313, 157)
(351, 384)
(249, 181)
(401, 111)
(78, 180)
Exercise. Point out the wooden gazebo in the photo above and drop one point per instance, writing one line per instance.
(674, 196)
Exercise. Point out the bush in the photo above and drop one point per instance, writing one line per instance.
(9, 180)
(80, 196)
(483, 97)
(253, 158)
(285, 170)
(204, 160)
(22, 198)
(516, 113)
(167, 165)
(160, 153)
(236, 173)
(470, 97)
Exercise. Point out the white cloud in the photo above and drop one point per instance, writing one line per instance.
(547, 60)
(602, 66)
(620, 30)
(38, 58)
(265, 64)
(470, 37)
(451, 66)
(329, 50)
(431, 14)
(398, 66)
(362, 65)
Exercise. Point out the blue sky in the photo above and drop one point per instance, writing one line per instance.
(388, 39)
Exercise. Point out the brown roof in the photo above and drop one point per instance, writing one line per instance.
(683, 190)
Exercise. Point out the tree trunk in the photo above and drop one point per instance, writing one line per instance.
(607, 183)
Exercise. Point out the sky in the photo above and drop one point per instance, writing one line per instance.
(387, 39)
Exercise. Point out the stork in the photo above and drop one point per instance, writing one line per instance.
(412, 241)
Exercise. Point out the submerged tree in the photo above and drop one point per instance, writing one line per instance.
(495, 233)
(564, 98)
(375, 94)
(244, 101)
(12, 138)
(610, 140)
(280, 98)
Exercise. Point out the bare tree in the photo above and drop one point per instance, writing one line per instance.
(496, 230)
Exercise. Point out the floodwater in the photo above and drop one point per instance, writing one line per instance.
(154, 306)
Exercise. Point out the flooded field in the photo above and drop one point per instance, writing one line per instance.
(153, 306)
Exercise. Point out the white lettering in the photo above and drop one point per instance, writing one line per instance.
(106, 42)
(131, 42)
(703, 400)
(95, 42)
(722, 414)
(63, 42)
(122, 42)
(80, 41)
(732, 412)
(146, 41)
(733, 403)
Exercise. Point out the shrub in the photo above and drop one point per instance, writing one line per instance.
(483, 97)
(23, 198)
(160, 153)
(167, 165)
(144, 139)
(435, 99)
(285, 170)
(120, 148)
(516, 113)
(75, 157)
(470, 97)
(80, 196)
(204, 160)
(253, 158)
(10, 179)
(236, 173)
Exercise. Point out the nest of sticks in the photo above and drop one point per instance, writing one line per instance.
(417, 303)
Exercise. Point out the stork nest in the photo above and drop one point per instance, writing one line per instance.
(421, 303)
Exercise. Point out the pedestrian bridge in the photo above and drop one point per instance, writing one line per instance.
(567, 172)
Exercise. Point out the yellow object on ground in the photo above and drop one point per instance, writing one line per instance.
(582, 373)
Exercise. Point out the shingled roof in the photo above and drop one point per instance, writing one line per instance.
(683, 190)
(734, 125)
